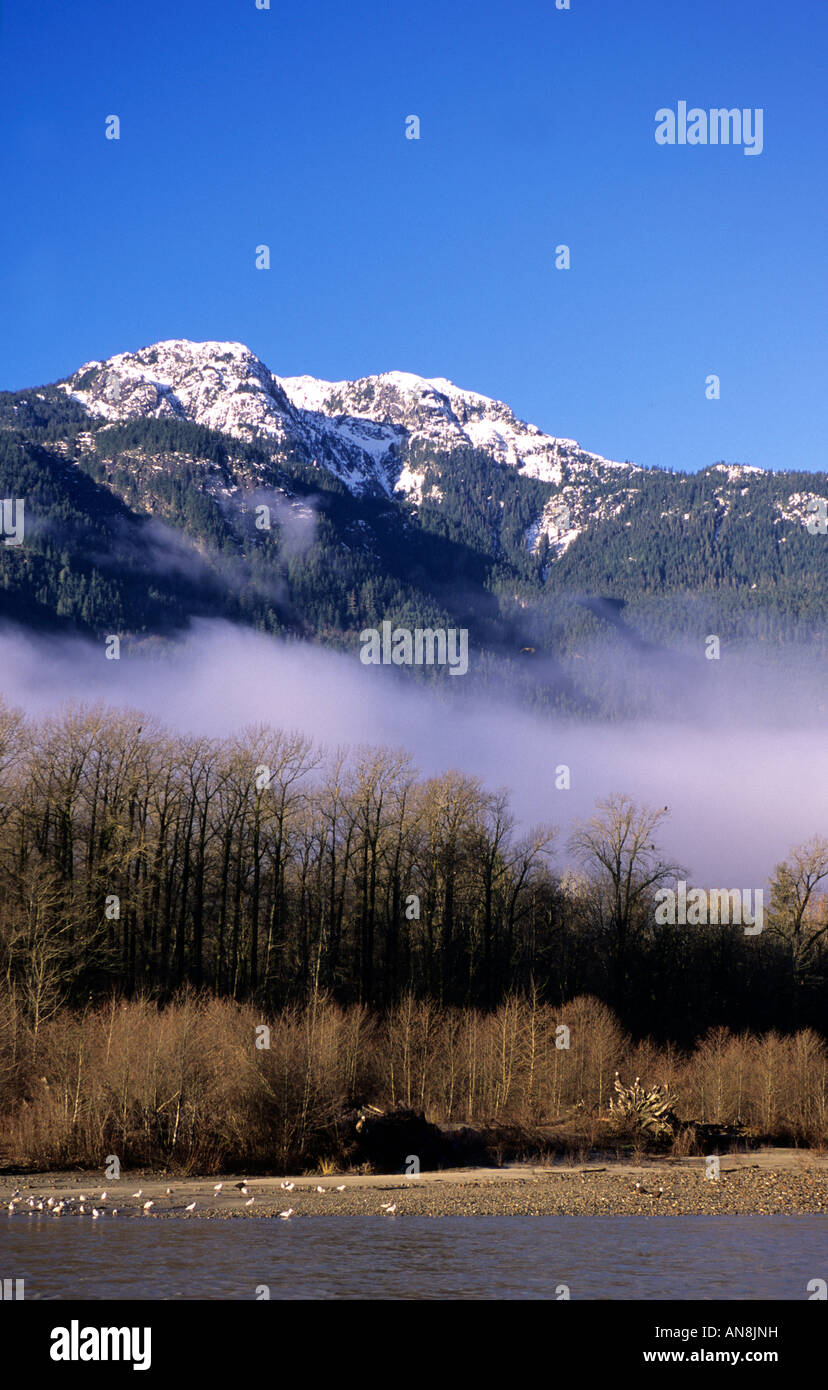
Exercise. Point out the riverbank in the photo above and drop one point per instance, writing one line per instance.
(769, 1182)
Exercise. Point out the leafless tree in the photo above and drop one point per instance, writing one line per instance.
(618, 849)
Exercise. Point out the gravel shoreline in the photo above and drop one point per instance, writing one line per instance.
(769, 1183)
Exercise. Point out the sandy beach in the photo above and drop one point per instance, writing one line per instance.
(779, 1181)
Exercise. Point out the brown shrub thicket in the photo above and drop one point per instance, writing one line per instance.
(185, 1086)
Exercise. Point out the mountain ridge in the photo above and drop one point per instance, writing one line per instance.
(366, 432)
(226, 386)
(393, 497)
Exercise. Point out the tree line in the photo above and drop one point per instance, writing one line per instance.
(264, 868)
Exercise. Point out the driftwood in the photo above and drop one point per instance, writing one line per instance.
(402, 1140)
(391, 1141)
(648, 1109)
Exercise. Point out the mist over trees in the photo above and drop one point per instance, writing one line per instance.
(264, 869)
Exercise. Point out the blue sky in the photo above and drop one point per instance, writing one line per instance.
(287, 127)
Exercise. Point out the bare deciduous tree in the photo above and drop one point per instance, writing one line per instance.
(617, 846)
(798, 914)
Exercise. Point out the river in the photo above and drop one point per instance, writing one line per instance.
(413, 1257)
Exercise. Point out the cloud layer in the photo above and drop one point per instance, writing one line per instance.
(743, 780)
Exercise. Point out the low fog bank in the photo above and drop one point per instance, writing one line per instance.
(742, 789)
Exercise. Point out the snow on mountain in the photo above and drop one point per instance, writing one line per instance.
(224, 386)
(391, 434)
(359, 430)
(806, 508)
(735, 471)
(379, 435)
(221, 385)
(435, 411)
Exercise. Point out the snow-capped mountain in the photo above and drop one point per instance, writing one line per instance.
(436, 411)
(188, 479)
(395, 434)
(224, 386)
(359, 427)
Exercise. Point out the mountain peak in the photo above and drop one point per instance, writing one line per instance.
(359, 430)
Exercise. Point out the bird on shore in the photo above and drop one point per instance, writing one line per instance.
(114, 1211)
(341, 1188)
(389, 1207)
(288, 1186)
(169, 1192)
(147, 1206)
(286, 1215)
(102, 1197)
(139, 1193)
(95, 1213)
(250, 1202)
(242, 1188)
(321, 1189)
(191, 1207)
(218, 1187)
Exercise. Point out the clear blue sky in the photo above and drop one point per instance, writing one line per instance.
(286, 127)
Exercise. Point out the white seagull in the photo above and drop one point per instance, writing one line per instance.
(286, 1215)
(191, 1207)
